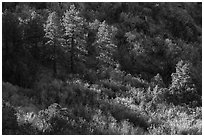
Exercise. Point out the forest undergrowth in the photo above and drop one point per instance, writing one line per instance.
(121, 104)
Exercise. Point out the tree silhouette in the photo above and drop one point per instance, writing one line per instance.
(52, 32)
(74, 35)
(105, 44)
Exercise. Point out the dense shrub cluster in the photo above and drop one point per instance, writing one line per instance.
(108, 107)
(9, 119)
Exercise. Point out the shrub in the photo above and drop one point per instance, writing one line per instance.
(9, 119)
(126, 128)
(173, 120)
(108, 125)
(106, 92)
(117, 75)
(120, 111)
(17, 122)
(51, 119)
(135, 81)
(90, 75)
(115, 86)
(104, 72)
(8, 90)
(84, 95)
(15, 95)
(157, 80)
(137, 94)
(58, 120)
(157, 94)
(49, 92)
(28, 129)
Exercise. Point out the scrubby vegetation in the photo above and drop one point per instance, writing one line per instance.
(102, 69)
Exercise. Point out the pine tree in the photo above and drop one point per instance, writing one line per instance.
(182, 87)
(74, 35)
(35, 25)
(105, 45)
(52, 33)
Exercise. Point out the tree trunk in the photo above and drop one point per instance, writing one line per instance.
(72, 56)
(6, 49)
(54, 63)
(36, 52)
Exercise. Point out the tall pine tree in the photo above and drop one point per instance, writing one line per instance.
(182, 88)
(105, 45)
(52, 33)
(34, 25)
(74, 35)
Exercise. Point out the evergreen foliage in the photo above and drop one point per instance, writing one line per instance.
(182, 87)
(74, 35)
(52, 33)
(105, 44)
